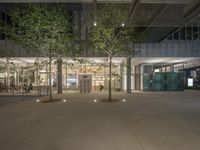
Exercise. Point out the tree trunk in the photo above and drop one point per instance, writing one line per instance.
(50, 91)
(110, 80)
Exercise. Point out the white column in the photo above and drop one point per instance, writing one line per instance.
(7, 73)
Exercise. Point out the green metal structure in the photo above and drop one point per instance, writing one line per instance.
(163, 81)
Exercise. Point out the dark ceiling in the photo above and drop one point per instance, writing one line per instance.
(156, 18)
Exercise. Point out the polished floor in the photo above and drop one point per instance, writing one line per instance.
(144, 121)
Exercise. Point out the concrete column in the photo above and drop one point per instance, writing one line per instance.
(46, 76)
(133, 78)
(7, 74)
(137, 77)
(18, 72)
(65, 75)
(59, 76)
(141, 77)
(172, 68)
(37, 78)
(122, 76)
(128, 75)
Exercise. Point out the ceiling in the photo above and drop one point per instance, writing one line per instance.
(164, 60)
(101, 60)
(102, 1)
(157, 18)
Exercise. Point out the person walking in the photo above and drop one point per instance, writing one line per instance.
(30, 87)
(101, 87)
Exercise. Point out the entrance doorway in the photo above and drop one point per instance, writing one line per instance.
(72, 82)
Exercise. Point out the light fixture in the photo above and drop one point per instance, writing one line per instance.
(95, 23)
(95, 100)
(64, 100)
(37, 100)
(123, 24)
(123, 100)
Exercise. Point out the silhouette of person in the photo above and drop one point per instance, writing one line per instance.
(101, 87)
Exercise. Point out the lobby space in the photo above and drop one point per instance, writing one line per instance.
(138, 121)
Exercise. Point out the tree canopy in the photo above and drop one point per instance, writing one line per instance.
(113, 32)
(40, 27)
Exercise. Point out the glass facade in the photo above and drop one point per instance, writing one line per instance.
(20, 74)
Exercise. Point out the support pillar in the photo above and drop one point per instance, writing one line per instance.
(59, 76)
(122, 77)
(7, 74)
(17, 75)
(128, 74)
(65, 76)
(137, 78)
(172, 68)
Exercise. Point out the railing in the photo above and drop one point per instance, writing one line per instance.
(25, 91)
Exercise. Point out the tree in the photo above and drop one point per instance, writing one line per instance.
(44, 28)
(113, 33)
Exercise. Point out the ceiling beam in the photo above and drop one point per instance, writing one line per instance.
(99, 1)
(166, 1)
(157, 17)
(134, 6)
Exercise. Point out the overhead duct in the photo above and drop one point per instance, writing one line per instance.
(192, 10)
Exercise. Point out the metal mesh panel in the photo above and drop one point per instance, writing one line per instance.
(163, 81)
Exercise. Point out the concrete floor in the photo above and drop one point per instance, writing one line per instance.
(146, 121)
(14, 99)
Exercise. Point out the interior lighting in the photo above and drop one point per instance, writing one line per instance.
(37, 100)
(123, 100)
(190, 82)
(64, 100)
(95, 100)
